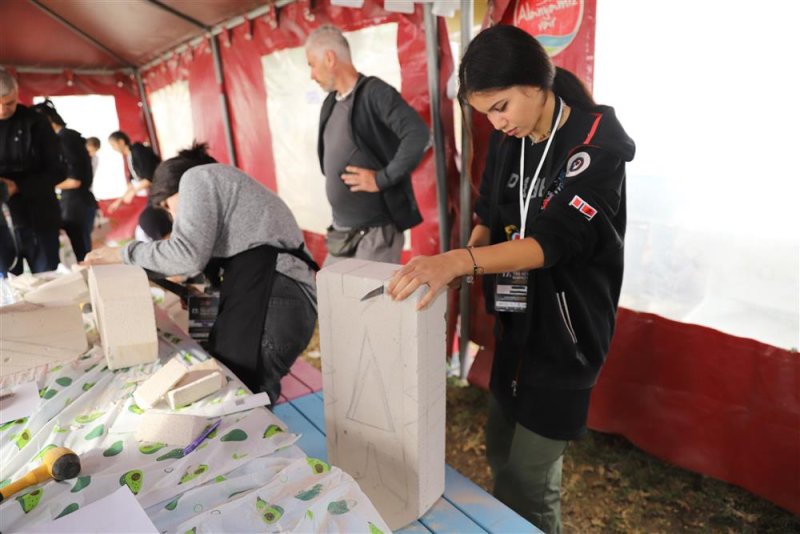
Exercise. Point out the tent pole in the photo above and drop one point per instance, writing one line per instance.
(465, 194)
(432, 48)
(223, 98)
(148, 116)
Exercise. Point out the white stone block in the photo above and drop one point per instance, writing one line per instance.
(194, 386)
(67, 289)
(18, 357)
(383, 368)
(123, 310)
(171, 429)
(206, 365)
(32, 335)
(149, 392)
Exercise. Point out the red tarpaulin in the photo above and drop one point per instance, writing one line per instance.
(124, 220)
(721, 405)
(242, 49)
(120, 86)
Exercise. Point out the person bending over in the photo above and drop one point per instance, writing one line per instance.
(245, 239)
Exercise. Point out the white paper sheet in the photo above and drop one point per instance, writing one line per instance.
(23, 403)
(102, 517)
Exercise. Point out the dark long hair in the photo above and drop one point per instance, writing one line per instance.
(120, 136)
(167, 177)
(503, 56)
(48, 109)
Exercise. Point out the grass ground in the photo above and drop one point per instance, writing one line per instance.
(609, 485)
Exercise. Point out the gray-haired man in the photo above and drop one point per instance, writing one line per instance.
(370, 140)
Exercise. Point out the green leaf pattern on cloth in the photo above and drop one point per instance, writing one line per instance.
(80, 483)
(114, 449)
(174, 453)
(338, 507)
(234, 435)
(64, 381)
(6, 426)
(309, 494)
(96, 432)
(68, 510)
(171, 505)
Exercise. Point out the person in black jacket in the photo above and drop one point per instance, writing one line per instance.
(140, 163)
(369, 142)
(30, 167)
(78, 205)
(553, 243)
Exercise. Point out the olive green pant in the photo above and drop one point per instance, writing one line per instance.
(526, 469)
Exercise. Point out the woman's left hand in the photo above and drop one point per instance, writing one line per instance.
(103, 256)
(437, 272)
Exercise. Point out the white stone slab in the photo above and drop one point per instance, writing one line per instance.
(123, 311)
(32, 335)
(149, 392)
(383, 368)
(172, 429)
(67, 289)
(194, 386)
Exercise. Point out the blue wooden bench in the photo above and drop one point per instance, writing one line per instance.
(464, 508)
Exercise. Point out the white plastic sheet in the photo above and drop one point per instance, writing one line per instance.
(171, 107)
(712, 228)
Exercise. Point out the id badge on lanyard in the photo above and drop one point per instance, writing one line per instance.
(511, 292)
(511, 289)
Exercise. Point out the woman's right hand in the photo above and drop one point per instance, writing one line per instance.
(437, 272)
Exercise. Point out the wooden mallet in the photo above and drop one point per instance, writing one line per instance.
(59, 463)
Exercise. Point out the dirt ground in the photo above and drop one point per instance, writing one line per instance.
(609, 485)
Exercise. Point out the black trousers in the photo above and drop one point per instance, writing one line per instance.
(245, 282)
(38, 247)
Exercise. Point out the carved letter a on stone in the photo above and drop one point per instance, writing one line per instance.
(369, 403)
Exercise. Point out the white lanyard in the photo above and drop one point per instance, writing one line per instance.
(523, 206)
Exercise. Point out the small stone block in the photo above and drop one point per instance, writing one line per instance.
(154, 388)
(171, 429)
(123, 310)
(194, 386)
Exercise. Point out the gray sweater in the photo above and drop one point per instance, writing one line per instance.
(222, 212)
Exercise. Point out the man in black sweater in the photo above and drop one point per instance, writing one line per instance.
(31, 165)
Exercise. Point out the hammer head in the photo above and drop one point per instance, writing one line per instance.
(62, 463)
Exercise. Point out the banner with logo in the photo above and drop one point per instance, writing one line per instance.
(564, 27)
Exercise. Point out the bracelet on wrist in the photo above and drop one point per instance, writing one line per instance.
(477, 270)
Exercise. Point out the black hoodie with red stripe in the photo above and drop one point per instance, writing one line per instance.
(548, 359)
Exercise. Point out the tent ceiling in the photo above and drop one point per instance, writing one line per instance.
(126, 32)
